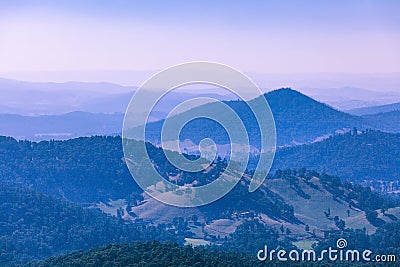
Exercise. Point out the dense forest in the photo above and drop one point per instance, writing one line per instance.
(371, 155)
(67, 169)
(83, 170)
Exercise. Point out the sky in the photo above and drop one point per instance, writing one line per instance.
(252, 36)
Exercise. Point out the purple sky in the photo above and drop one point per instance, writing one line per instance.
(252, 36)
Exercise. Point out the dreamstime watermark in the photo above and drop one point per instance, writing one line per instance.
(149, 94)
(340, 253)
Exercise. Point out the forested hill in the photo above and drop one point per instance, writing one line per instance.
(301, 119)
(80, 170)
(298, 119)
(372, 155)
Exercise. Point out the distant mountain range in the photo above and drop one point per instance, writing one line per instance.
(346, 98)
(299, 119)
(375, 109)
(49, 98)
(30, 98)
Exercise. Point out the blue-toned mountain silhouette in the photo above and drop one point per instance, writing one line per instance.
(298, 119)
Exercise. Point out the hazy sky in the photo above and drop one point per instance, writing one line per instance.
(253, 36)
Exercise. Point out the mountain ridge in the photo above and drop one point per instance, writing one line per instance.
(298, 119)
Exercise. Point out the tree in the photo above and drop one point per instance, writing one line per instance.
(371, 215)
(341, 224)
(288, 232)
(195, 218)
(336, 219)
(383, 210)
